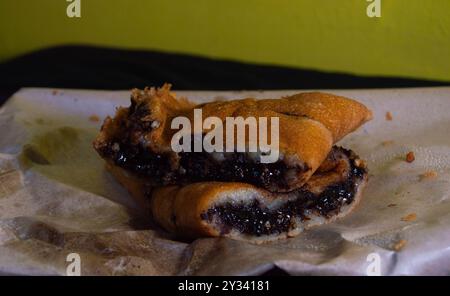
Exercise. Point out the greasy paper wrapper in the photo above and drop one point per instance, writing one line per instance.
(56, 197)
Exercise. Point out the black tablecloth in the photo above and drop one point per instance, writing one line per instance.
(103, 68)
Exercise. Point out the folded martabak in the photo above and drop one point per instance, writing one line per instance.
(235, 194)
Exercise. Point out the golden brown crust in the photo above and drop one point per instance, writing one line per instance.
(162, 207)
(340, 115)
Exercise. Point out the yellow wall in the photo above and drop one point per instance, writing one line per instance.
(412, 38)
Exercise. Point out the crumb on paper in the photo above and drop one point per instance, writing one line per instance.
(54, 92)
(410, 217)
(410, 157)
(428, 175)
(389, 116)
(400, 245)
(392, 205)
(387, 143)
(94, 118)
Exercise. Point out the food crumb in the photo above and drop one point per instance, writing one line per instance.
(94, 118)
(115, 147)
(389, 116)
(155, 124)
(428, 175)
(54, 92)
(387, 143)
(409, 217)
(410, 157)
(360, 163)
(392, 205)
(399, 245)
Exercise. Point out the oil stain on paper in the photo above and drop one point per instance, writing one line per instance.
(65, 154)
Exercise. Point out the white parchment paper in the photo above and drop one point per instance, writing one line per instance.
(57, 199)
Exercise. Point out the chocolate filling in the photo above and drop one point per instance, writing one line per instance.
(198, 167)
(235, 167)
(255, 219)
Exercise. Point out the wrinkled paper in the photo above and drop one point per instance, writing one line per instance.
(57, 199)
